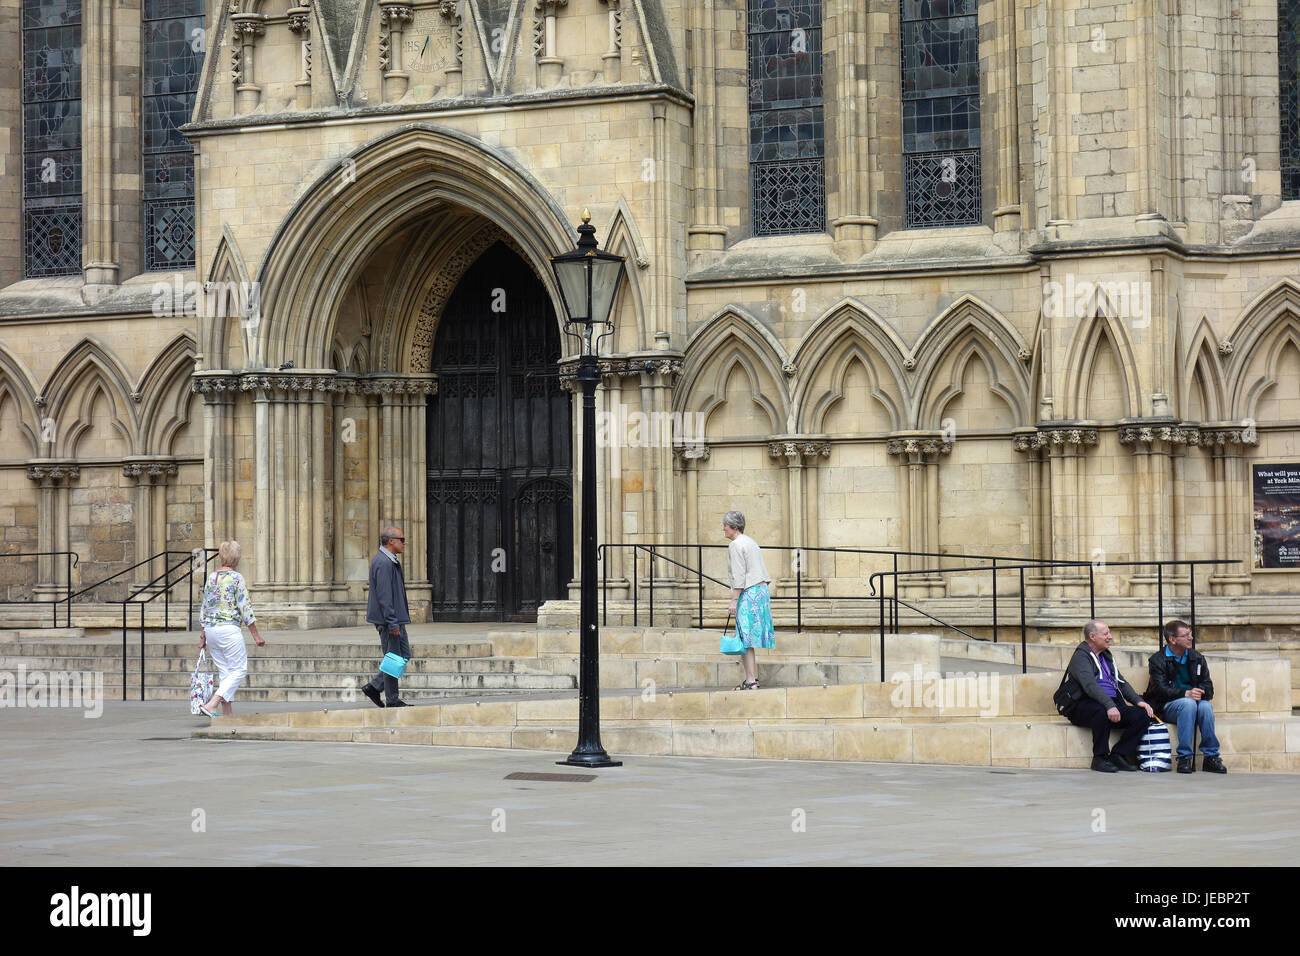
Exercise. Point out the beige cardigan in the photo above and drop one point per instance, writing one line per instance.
(746, 563)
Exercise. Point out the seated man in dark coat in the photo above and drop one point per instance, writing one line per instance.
(1180, 691)
(1093, 695)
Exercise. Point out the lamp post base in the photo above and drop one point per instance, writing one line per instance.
(589, 760)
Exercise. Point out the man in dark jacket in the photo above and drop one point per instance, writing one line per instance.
(1095, 696)
(1180, 691)
(386, 609)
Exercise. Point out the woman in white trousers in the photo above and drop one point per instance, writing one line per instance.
(226, 610)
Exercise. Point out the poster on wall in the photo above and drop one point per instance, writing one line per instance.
(1277, 515)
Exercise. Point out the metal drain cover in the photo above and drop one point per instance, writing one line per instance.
(554, 777)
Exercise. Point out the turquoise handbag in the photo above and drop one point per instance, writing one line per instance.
(394, 665)
(731, 645)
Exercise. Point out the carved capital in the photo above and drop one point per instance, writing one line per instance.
(918, 448)
(300, 19)
(1142, 437)
(691, 452)
(49, 475)
(1228, 439)
(248, 26)
(798, 451)
(153, 472)
(394, 15)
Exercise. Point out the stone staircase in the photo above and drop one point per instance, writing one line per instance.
(992, 720)
(303, 672)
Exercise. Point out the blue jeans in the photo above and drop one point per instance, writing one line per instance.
(1188, 713)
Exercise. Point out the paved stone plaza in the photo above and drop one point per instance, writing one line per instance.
(125, 790)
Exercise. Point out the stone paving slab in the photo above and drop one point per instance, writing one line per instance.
(125, 789)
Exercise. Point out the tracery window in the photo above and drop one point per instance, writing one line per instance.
(1288, 57)
(173, 56)
(786, 129)
(941, 113)
(51, 137)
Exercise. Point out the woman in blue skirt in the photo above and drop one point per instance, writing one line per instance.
(751, 603)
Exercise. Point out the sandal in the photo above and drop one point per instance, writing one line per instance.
(747, 685)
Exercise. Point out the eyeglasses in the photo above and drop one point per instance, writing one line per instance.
(403, 540)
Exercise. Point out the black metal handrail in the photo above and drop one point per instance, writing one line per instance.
(653, 553)
(876, 582)
(1035, 565)
(71, 560)
(190, 562)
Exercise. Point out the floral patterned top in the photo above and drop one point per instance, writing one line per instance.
(225, 600)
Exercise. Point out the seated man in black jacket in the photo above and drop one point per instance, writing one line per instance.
(1093, 695)
(1180, 691)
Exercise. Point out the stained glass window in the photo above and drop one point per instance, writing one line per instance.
(174, 44)
(51, 137)
(941, 113)
(1288, 56)
(786, 129)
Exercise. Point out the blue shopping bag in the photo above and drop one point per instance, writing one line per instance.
(394, 665)
(731, 645)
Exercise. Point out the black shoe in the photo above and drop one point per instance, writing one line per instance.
(1187, 765)
(1121, 762)
(1104, 765)
(372, 694)
(1213, 765)
(399, 703)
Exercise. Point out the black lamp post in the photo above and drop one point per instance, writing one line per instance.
(589, 279)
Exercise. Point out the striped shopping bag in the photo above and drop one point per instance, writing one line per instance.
(1154, 751)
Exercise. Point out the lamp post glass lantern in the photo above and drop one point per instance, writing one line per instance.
(589, 279)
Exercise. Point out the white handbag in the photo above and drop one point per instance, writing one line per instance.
(1154, 750)
(201, 681)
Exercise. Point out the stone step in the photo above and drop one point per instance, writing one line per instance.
(1247, 746)
(268, 666)
(311, 695)
(112, 650)
(307, 681)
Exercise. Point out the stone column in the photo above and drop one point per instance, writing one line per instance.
(1066, 448)
(300, 24)
(687, 459)
(1153, 489)
(1033, 446)
(393, 16)
(451, 10)
(794, 452)
(854, 225)
(918, 454)
(245, 28)
(52, 526)
(657, 378)
(550, 66)
(399, 471)
(100, 261)
(1229, 445)
(706, 233)
(219, 476)
(1008, 209)
(612, 59)
(614, 429)
(150, 476)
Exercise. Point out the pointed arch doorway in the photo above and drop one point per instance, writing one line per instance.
(499, 456)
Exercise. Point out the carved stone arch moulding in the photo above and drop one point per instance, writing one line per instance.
(444, 284)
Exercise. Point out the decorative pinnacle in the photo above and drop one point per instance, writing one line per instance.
(586, 214)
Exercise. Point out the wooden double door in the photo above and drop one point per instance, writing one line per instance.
(500, 492)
